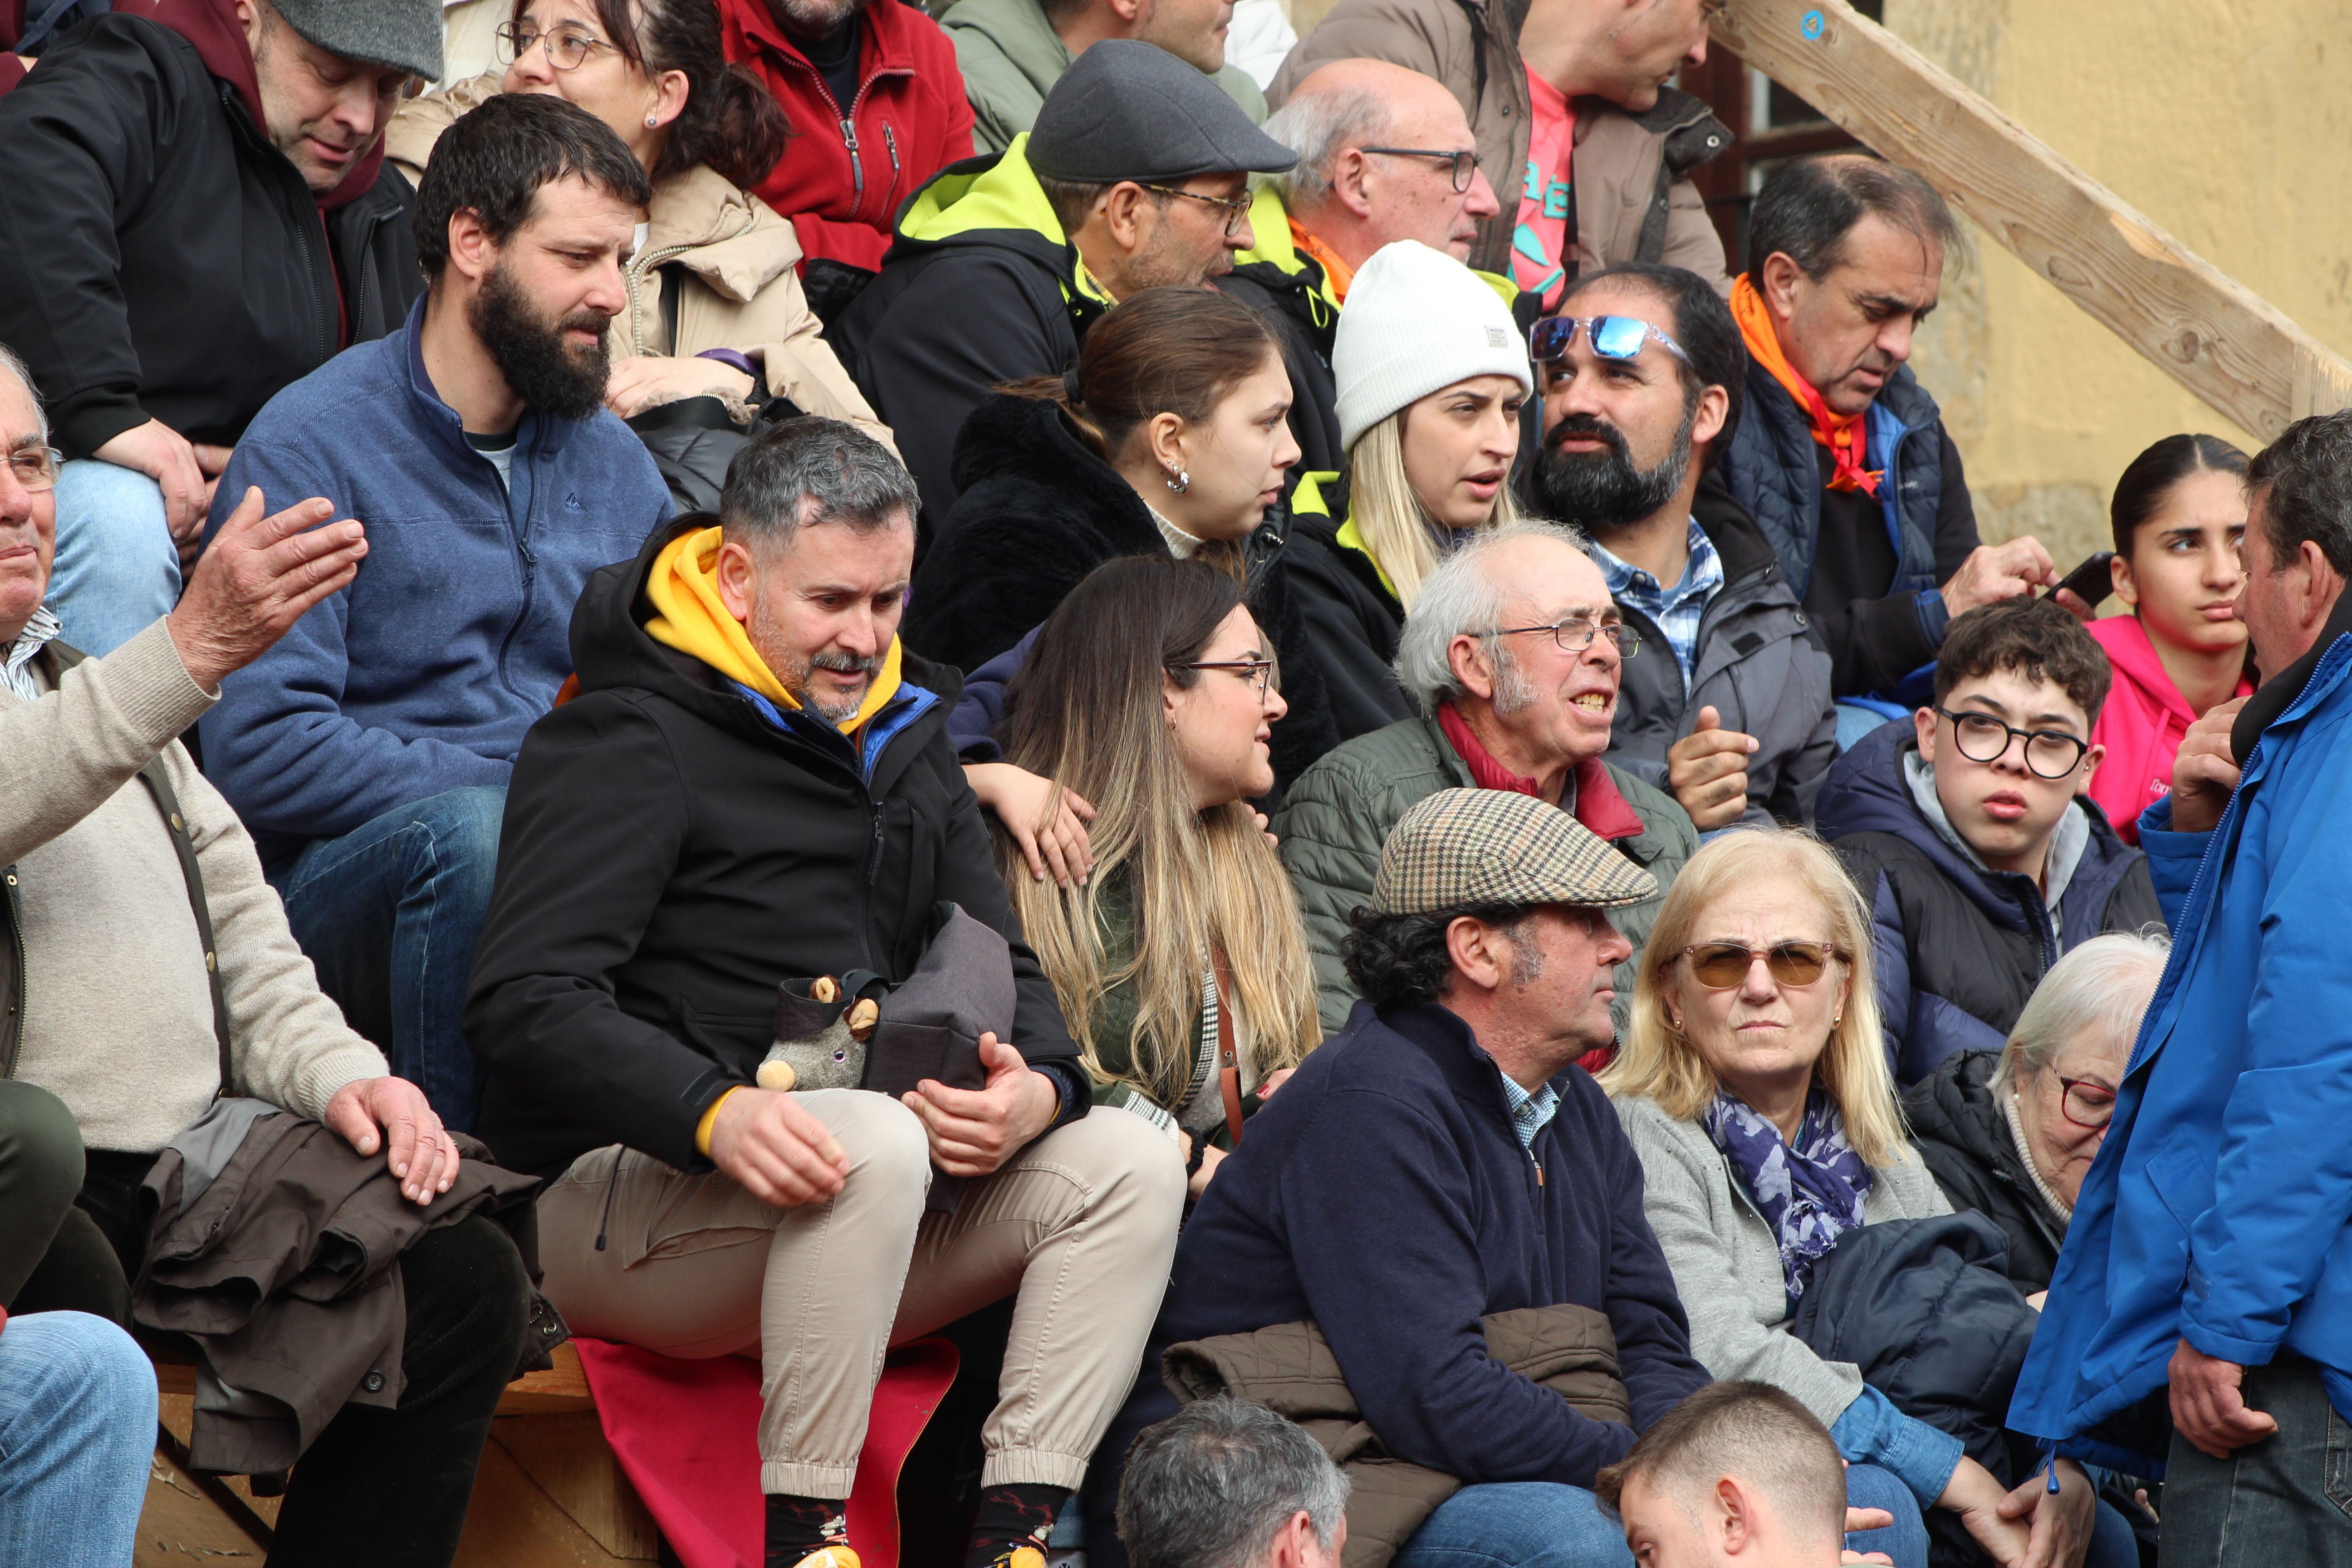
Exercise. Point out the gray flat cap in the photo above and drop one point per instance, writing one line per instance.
(1130, 111)
(403, 34)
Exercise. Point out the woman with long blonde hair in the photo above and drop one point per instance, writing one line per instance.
(1754, 1083)
(1180, 962)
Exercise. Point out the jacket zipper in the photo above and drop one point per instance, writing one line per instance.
(635, 274)
(15, 1036)
(890, 141)
(856, 165)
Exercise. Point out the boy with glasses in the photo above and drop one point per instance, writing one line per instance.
(1971, 837)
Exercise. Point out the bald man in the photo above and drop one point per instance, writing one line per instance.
(1384, 154)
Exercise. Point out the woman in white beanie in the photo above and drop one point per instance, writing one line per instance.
(1432, 373)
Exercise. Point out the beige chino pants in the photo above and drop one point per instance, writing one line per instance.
(1079, 1228)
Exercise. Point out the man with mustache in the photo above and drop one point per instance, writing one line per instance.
(196, 214)
(1843, 458)
(369, 751)
(1727, 701)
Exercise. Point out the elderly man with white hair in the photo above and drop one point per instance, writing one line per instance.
(2011, 1133)
(1514, 651)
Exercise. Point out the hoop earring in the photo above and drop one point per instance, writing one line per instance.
(1179, 482)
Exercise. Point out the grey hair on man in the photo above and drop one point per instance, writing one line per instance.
(2302, 482)
(2105, 983)
(1318, 126)
(16, 367)
(1462, 595)
(812, 471)
(1808, 207)
(1215, 1484)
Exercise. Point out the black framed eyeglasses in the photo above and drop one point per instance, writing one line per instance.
(2050, 753)
(1266, 674)
(567, 47)
(36, 468)
(2087, 1103)
(1576, 634)
(1237, 207)
(1463, 162)
(1720, 965)
(1612, 337)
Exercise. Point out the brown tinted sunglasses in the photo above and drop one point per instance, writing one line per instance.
(1720, 965)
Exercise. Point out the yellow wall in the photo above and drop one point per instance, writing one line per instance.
(2229, 123)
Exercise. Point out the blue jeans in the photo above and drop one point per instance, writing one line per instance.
(389, 913)
(2287, 1498)
(1905, 1541)
(1517, 1524)
(77, 1428)
(117, 570)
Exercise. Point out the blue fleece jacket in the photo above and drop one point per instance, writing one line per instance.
(422, 674)
(1383, 1194)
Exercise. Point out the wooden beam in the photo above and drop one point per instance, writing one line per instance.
(2234, 351)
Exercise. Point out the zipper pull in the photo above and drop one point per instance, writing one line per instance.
(849, 134)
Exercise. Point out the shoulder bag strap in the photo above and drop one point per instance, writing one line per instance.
(1229, 1067)
(159, 785)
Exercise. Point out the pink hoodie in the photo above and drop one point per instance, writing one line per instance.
(2142, 726)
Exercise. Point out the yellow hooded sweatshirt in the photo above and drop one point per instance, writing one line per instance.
(690, 617)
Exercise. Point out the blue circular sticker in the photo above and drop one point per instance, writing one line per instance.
(1811, 24)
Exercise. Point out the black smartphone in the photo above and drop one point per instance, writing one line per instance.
(2092, 582)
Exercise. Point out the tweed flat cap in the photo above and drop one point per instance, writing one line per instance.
(406, 35)
(1462, 848)
(1127, 110)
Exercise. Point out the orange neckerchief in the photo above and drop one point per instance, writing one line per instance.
(1335, 272)
(1845, 435)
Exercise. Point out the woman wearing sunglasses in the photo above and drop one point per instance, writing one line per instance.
(1432, 376)
(1180, 962)
(2011, 1133)
(1754, 1085)
(716, 309)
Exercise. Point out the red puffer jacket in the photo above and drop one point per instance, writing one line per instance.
(846, 172)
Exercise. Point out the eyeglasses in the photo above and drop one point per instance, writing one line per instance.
(2051, 754)
(2086, 1103)
(1266, 674)
(1720, 965)
(36, 468)
(1463, 162)
(567, 47)
(1576, 634)
(1612, 337)
(1237, 207)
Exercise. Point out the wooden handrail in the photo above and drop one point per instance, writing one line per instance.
(2233, 350)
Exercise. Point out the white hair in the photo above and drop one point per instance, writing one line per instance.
(1462, 597)
(1319, 127)
(16, 367)
(2107, 984)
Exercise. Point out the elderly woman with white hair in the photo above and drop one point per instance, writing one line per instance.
(2011, 1133)
(1754, 1084)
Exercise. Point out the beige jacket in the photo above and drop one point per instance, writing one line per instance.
(1633, 199)
(741, 287)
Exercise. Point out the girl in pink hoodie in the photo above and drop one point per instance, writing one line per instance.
(2178, 512)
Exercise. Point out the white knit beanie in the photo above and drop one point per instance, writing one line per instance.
(1417, 321)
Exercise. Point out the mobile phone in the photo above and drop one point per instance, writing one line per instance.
(2091, 582)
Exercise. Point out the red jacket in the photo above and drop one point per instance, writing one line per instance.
(843, 177)
(2142, 726)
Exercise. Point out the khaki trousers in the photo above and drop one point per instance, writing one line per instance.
(1079, 1228)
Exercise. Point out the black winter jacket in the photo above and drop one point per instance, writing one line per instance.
(1963, 1135)
(1959, 950)
(1761, 665)
(1038, 512)
(1305, 323)
(669, 855)
(160, 258)
(1351, 617)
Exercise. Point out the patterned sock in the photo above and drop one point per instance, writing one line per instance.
(1010, 1517)
(799, 1525)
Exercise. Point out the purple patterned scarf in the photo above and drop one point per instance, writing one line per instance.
(1811, 1193)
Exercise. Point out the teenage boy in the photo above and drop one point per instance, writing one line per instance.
(1970, 837)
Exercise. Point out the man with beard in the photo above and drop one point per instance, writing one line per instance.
(369, 751)
(755, 786)
(196, 213)
(1135, 176)
(1727, 701)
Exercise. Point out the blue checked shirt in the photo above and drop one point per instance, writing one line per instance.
(1529, 1112)
(1675, 611)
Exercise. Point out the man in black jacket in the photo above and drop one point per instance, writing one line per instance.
(755, 785)
(1727, 701)
(197, 215)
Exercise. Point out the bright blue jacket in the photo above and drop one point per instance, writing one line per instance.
(2217, 1210)
(422, 674)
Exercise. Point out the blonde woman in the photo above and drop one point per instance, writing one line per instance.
(1180, 962)
(1754, 1085)
(1431, 375)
